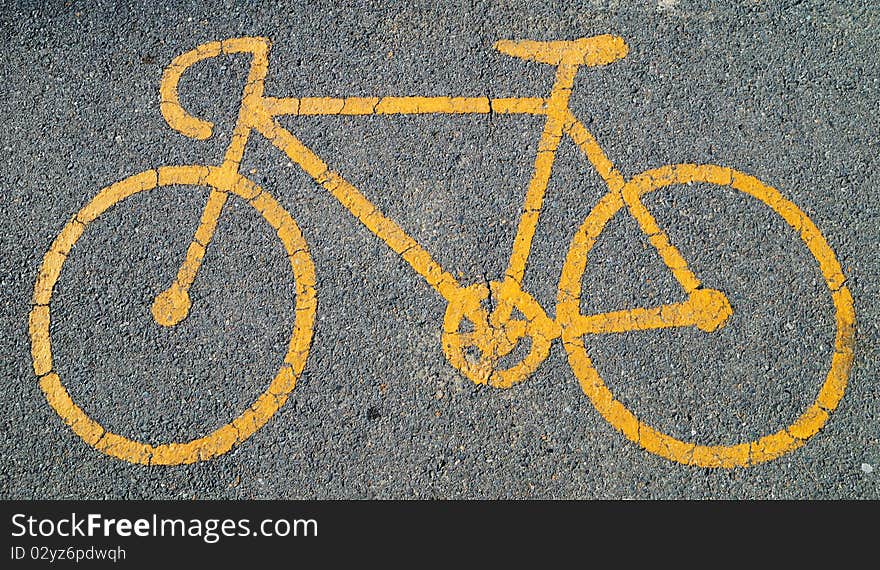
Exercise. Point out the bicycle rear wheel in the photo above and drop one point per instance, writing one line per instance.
(263, 407)
(743, 454)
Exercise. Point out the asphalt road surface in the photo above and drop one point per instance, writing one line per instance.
(789, 94)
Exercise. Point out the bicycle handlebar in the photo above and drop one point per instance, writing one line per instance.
(175, 115)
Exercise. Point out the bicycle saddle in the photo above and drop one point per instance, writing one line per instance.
(596, 50)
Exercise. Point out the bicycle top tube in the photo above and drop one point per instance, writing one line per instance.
(404, 105)
(594, 51)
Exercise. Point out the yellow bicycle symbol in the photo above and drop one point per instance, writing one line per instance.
(476, 339)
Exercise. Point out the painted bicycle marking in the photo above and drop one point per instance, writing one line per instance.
(476, 340)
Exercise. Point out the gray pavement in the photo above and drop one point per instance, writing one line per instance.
(789, 94)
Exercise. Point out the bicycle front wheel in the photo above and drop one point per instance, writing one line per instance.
(765, 448)
(263, 407)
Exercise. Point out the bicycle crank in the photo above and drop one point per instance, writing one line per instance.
(499, 345)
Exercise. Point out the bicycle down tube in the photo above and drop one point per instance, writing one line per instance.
(496, 333)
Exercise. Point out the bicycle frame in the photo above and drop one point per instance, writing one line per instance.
(495, 334)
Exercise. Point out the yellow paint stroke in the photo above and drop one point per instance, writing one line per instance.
(477, 341)
(596, 50)
(404, 105)
(266, 404)
(707, 314)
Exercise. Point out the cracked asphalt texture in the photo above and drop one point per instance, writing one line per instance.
(786, 91)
